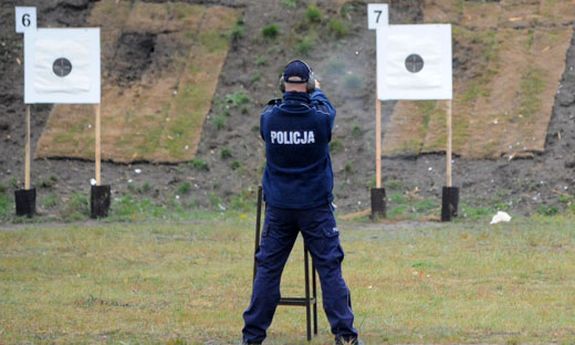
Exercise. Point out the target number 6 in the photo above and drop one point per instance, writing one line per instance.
(25, 19)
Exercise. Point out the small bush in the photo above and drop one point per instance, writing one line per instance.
(76, 208)
(305, 45)
(49, 182)
(547, 210)
(348, 169)
(356, 131)
(238, 31)
(290, 3)
(50, 201)
(199, 164)
(184, 188)
(338, 28)
(219, 121)
(226, 153)
(271, 31)
(313, 14)
(237, 98)
(261, 61)
(235, 165)
(335, 146)
(256, 77)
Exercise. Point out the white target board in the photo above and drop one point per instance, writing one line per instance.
(414, 62)
(62, 66)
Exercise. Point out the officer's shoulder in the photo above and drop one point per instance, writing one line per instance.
(275, 101)
(271, 105)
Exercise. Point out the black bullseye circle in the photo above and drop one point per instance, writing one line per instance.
(414, 63)
(62, 67)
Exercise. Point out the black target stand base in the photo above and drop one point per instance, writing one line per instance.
(449, 203)
(100, 197)
(378, 203)
(25, 202)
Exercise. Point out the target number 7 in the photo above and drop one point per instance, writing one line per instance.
(377, 16)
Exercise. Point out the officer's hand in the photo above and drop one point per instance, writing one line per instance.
(317, 84)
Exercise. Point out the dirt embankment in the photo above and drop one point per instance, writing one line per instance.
(230, 154)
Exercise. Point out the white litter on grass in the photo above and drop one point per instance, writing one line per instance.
(499, 217)
(92, 181)
(138, 171)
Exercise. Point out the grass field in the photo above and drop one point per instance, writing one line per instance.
(188, 283)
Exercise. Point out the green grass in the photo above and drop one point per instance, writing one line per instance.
(6, 207)
(188, 283)
(531, 86)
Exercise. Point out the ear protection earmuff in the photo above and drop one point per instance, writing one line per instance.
(310, 84)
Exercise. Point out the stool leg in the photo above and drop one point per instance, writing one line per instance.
(307, 293)
(314, 293)
(258, 229)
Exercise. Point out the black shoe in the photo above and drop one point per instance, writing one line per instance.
(353, 341)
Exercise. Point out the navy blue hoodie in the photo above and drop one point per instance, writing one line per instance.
(297, 132)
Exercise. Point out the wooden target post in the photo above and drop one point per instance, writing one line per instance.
(25, 21)
(450, 194)
(378, 204)
(377, 17)
(26, 198)
(100, 195)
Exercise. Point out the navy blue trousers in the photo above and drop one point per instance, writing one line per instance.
(321, 236)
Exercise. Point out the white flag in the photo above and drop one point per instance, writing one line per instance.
(414, 62)
(62, 66)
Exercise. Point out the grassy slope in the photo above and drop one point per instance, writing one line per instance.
(188, 283)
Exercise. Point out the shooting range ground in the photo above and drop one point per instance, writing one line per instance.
(161, 64)
(188, 283)
(503, 98)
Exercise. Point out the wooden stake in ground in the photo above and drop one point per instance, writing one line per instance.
(27, 150)
(98, 151)
(377, 142)
(448, 153)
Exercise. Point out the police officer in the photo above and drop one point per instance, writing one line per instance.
(297, 185)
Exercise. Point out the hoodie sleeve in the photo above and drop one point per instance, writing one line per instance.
(323, 106)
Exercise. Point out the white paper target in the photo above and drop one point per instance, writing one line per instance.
(62, 66)
(414, 62)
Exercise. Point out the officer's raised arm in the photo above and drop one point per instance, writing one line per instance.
(323, 105)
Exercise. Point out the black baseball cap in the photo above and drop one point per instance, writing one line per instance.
(296, 68)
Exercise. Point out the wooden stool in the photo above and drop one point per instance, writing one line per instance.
(309, 301)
